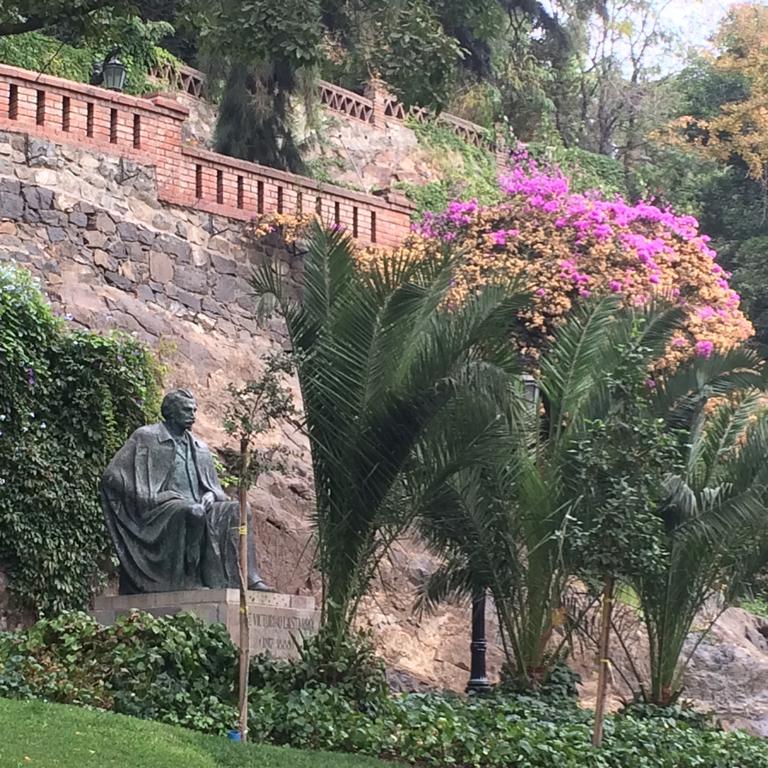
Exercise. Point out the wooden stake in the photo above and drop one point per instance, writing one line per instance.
(244, 626)
(602, 672)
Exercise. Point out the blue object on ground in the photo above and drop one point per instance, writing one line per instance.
(233, 735)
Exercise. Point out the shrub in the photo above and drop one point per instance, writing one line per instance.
(179, 670)
(176, 670)
(494, 731)
(348, 665)
(68, 400)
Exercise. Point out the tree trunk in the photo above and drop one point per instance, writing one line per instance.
(244, 627)
(603, 650)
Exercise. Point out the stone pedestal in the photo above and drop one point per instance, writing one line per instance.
(275, 619)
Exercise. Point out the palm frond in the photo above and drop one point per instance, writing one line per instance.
(569, 367)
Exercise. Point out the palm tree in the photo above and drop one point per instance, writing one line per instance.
(380, 356)
(502, 525)
(714, 515)
(506, 524)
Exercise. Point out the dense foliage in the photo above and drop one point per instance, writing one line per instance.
(567, 246)
(177, 670)
(174, 670)
(137, 41)
(584, 479)
(466, 171)
(68, 400)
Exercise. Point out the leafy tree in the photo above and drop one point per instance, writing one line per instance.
(714, 155)
(253, 410)
(278, 45)
(31, 15)
(738, 130)
(622, 455)
(558, 488)
(379, 358)
(714, 505)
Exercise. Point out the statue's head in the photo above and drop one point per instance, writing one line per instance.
(179, 408)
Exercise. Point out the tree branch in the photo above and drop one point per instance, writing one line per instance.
(33, 22)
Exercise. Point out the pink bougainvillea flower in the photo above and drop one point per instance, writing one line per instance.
(566, 246)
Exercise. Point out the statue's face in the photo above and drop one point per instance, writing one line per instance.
(184, 413)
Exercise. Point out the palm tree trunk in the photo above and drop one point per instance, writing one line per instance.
(245, 638)
(603, 650)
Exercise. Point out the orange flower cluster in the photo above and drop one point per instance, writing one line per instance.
(290, 226)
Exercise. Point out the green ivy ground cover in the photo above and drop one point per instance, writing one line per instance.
(40, 735)
(179, 671)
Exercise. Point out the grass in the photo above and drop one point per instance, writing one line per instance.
(35, 734)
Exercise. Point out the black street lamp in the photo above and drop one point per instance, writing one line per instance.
(110, 73)
(478, 678)
(478, 675)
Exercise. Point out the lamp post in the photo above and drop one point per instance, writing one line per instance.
(478, 678)
(110, 73)
(478, 675)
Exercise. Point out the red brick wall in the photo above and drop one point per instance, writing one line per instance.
(148, 130)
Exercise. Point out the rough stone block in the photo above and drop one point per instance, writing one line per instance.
(191, 279)
(94, 238)
(57, 234)
(42, 153)
(11, 202)
(160, 267)
(102, 222)
(37, 198)
(104, 260)
(185, 298)
(223, 265)
(276, 625)
(45, 178)
(180, 250)
(118, 281)
(146, 237)
(225, 289)
(211, 307)
(54, 218)
(78, 219)
(127, 232)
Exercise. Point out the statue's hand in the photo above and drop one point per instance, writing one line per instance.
(208, 500)
(197, 511)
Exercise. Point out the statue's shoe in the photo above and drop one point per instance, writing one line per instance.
(259, 586)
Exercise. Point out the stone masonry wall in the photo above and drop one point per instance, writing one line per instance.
(182, 262)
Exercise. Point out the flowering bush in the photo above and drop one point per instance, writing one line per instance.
(567, 246)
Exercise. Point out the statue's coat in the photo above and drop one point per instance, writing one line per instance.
(161, 546)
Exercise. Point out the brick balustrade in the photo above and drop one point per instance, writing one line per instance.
(183, 78)
(149, 131)
(378, 107)
(346, 102)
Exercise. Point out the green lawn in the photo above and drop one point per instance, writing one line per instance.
(38, 735)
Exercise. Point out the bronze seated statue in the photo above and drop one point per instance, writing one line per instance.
(172, 525)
